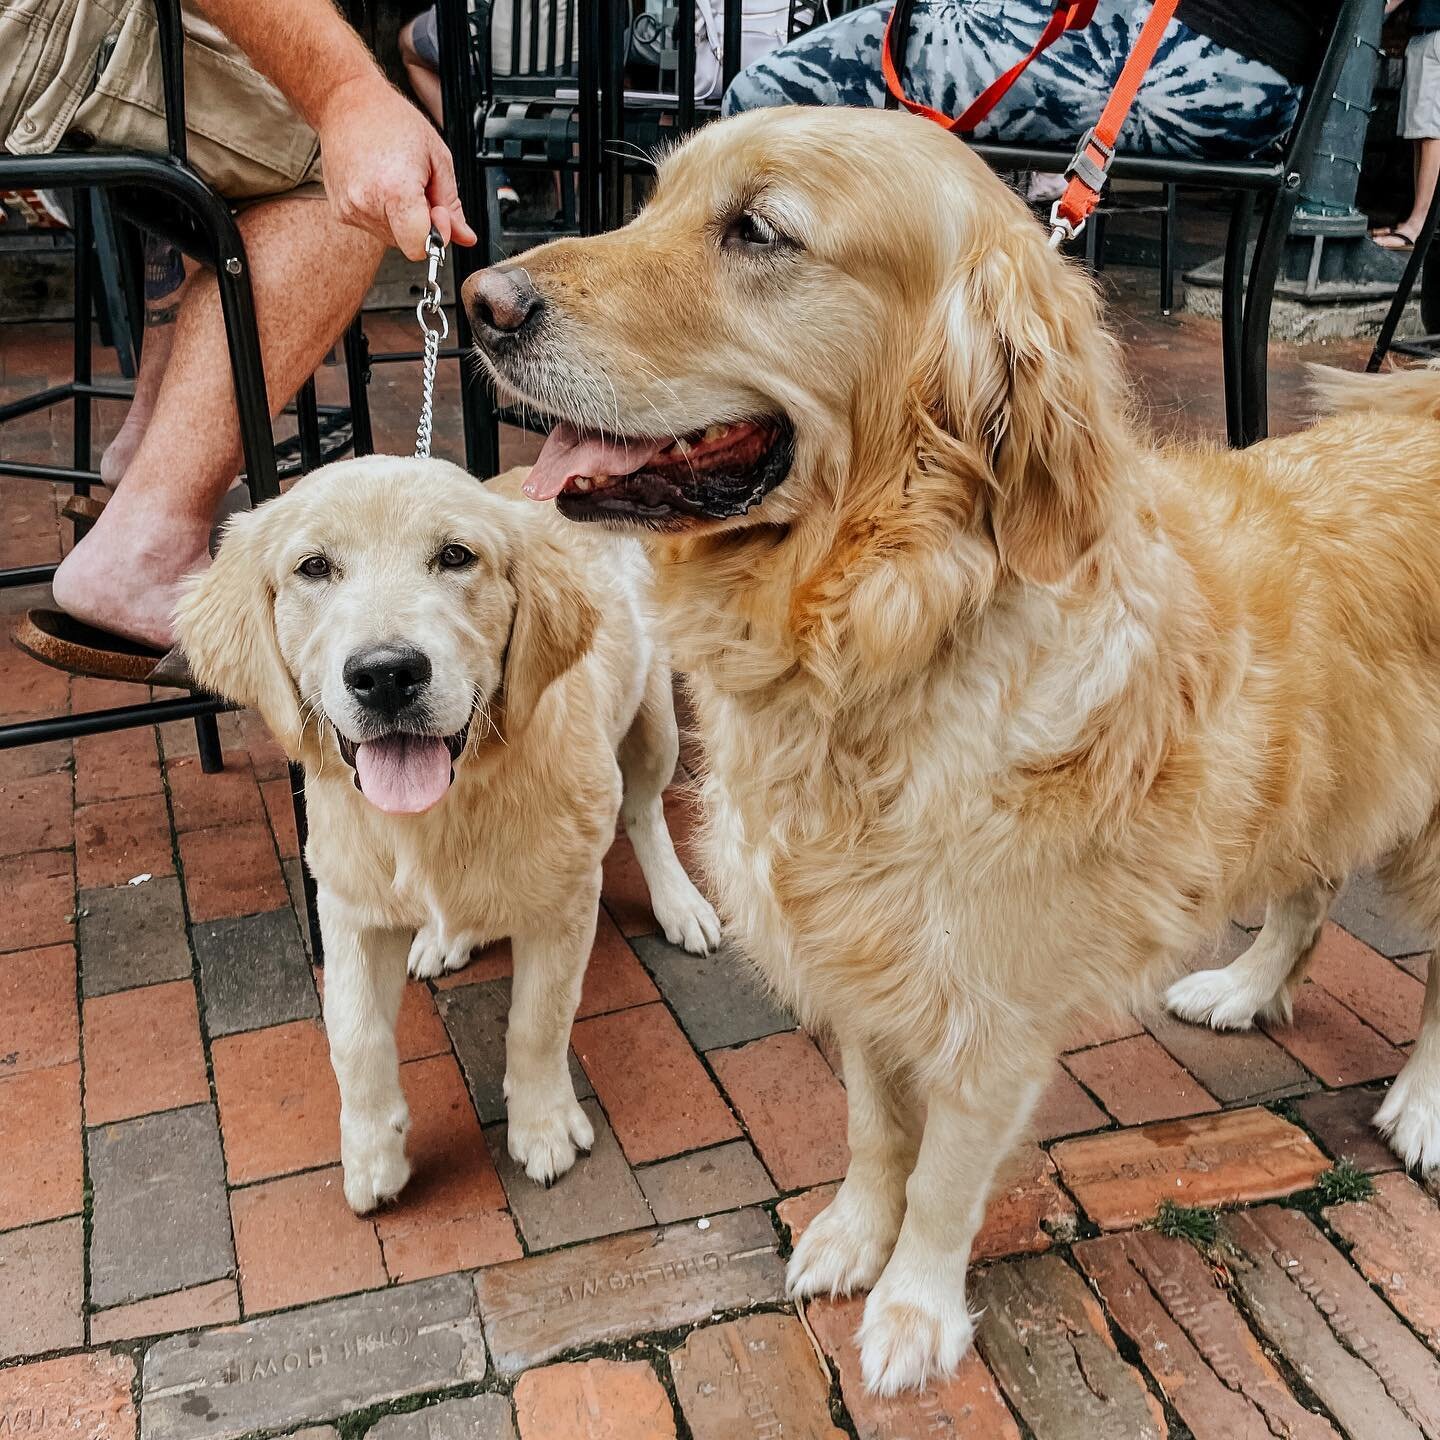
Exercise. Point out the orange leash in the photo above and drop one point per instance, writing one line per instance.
(1090, 167)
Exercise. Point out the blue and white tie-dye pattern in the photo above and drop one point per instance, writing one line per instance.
(1199, 98)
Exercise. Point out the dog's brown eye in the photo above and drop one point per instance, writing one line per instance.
(314, 567)
(750, 230)
(455, 557)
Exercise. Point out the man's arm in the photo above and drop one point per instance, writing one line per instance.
(386, 169)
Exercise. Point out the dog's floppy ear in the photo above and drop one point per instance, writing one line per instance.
(553, 627)
(1030, 383)
(226, 626)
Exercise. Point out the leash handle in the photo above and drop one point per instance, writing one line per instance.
(427, 310)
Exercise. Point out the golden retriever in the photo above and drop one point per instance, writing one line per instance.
(473, 689)
(1004, 707)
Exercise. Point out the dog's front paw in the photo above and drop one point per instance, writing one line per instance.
(686, 916)
(375, 1165)
(1410, 1117)
(545, 1138)
(434, 953)
(1223, 1001)
(844, 1249)
(914, 1329)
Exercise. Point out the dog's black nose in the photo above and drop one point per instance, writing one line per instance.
(502, 300)
(387, 678)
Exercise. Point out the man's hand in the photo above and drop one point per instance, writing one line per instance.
(386, 169)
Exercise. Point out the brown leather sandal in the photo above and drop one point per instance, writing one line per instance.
(83, 507)
(57, 639)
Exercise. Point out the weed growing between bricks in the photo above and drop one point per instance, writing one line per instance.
(1345, 1182)
(1187, 1222)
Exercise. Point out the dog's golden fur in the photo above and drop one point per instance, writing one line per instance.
(543, 646)
(1005, 708)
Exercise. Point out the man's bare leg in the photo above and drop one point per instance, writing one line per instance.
(164, 283)
(309, 274)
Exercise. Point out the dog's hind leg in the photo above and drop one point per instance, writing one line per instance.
(845, 1247)
(647, 756)
(1262, 981)
(1410, 1116)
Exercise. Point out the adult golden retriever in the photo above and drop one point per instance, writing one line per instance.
(1005, 708)
(474, 691)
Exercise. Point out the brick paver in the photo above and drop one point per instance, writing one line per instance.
(143, 1053)
(1395, 1240)
(593, 1400)
(79, 1397)
(656, 1092)
(340, 1253)
(1122, 1178)
(647, 1284)
(792, 1105)
(39, 1026)
(967, 1407)
(754, 1376)
(42, 1288)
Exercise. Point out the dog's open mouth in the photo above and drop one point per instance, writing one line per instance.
(401, 773)
(662, 482)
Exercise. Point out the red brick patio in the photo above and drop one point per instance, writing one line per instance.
(170, 1149)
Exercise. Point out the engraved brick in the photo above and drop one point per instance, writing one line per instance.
(597, 1197)
(1194, 1341)
(1395, 1239)
(1341, 1121)
(313, 1364)
(705, 1182)
(629, 1285)
(81, 1397)
(966, 1406)
(1321, 1315)
(1367, 1369)
(160, 1220)
(1045, 1337)
(253, 972)
(593, 1400)
(474, 1014)
(132, 935)
(1122, 1178)
(756, 1377)
(42, 1289)
(718, 998)
(481, 1417)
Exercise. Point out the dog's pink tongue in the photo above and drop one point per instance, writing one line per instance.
(403, 774)
(569, 452)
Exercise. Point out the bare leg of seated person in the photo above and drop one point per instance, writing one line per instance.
(309, 274)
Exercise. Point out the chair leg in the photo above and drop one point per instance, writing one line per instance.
(84, 235)
(1413, 267)
(1255, 328)
(311, 917)
(242, 335)
(1168, 217)
(207, 745)
(357, 382)
(307, 416)
(1232, 310)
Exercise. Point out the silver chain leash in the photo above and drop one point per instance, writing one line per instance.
(430, 309)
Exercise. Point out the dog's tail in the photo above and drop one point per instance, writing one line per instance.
(1402, 392)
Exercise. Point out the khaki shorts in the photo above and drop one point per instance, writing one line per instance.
(1420, 94)
(88, 71)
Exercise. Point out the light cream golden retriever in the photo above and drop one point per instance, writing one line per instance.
(475, 694)
(1005, 708)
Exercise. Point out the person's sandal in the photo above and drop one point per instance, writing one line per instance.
(1397, 242)
(59, 640)
(84, 508)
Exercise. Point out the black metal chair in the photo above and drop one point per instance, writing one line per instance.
(1273, 184)
(163, 194)
(1425, 346)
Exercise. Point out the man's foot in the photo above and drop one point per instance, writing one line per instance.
(125, 575)
(1398, 239)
